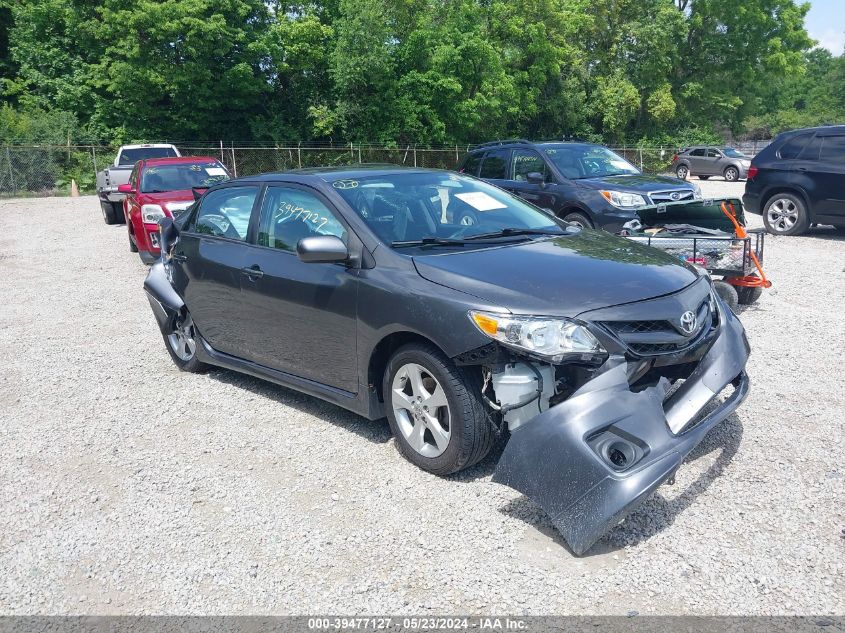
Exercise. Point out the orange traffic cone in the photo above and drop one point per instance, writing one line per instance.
(74, 190)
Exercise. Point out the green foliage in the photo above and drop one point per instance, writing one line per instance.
(410, 71)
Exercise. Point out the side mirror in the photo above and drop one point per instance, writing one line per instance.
(127, 188)
(535, 178)
(168, 234)
(322, 249)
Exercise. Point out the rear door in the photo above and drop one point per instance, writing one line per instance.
(822, 163)
(299, 318)
(208, 259)
(697, 158)
(494, 167)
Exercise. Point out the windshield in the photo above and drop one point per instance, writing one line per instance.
(132, 156)
(733, 153)
(182, 176)
(439, 207)
(576, 161)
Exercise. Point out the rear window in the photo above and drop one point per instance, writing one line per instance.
(792, 148)
(132, 156)
(471, 164)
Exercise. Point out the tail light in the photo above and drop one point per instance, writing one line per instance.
(752, 171)
(675, 158)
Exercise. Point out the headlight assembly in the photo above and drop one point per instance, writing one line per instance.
(623, 200)
(151, 213)
(553, 339)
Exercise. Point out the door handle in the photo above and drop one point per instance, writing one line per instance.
(179, 257)
(253, 272)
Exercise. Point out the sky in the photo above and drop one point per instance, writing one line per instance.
(826, 23)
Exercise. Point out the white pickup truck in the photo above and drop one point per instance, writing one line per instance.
(109, 179)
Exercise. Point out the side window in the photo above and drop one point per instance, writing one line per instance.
(833, 149)
(495, 164)
(697, 152)
(812, 149)
(793, 146)
(226, 212)
(713, 153)
(288, 215)
(524, 162)
(471, 164)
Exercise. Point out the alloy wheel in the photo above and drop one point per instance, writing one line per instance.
(731, 174)
(682, 173)
(421, 410)
(183, 339)
(782, 215)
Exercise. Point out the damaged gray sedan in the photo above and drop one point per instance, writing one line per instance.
(459, 312)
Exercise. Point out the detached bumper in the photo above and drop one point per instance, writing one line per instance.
(591, 460)
(164, 300)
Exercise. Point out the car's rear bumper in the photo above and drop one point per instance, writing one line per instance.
(751, 202)
(562, 458)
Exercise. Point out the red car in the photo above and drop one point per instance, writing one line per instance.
(163, 187)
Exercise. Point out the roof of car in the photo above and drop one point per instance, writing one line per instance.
(330, 174)
(523, 142)
(827, 129)
(176, 160)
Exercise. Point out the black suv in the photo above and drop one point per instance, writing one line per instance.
(799, 180)
(585, 184)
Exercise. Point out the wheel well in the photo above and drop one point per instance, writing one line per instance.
(384, 350)
(567, 210)
(776, 190)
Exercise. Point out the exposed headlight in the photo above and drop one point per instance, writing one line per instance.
(623, 200)
(552, 339)
(696, 191)
(151, 213)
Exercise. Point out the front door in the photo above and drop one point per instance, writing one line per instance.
(208, 259)
(524, 162)
(301, 317)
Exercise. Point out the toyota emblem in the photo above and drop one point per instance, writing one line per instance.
(688, 322)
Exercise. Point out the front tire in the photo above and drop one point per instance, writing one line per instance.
(731, 174)
(182, 344)
(435, 410)
(578, 219)
(785, 214)
(133, 247)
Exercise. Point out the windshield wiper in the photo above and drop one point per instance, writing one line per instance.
(510, 231)
(428, 241)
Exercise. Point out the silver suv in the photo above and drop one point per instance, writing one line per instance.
(704, 161)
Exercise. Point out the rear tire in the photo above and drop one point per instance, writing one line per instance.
(418, 374)
(746, 295)
(682, 172)
(731, 174)
(578, 219)
(785, 214)
(728, 294)
(109, 215)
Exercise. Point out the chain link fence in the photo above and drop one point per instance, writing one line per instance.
(49, 169)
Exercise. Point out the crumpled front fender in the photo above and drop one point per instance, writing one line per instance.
(164, 300)
(561, 459)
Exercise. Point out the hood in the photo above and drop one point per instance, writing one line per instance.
(636, 183)
(562, 276)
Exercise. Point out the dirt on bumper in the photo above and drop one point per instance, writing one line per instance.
(591, 460)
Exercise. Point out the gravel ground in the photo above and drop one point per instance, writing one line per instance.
(129, 487)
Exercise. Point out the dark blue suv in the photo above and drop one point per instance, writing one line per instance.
(585, 184)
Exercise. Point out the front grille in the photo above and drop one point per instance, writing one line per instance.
(658, 197)
(663, 336)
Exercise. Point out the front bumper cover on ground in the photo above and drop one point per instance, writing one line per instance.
(561, 458)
